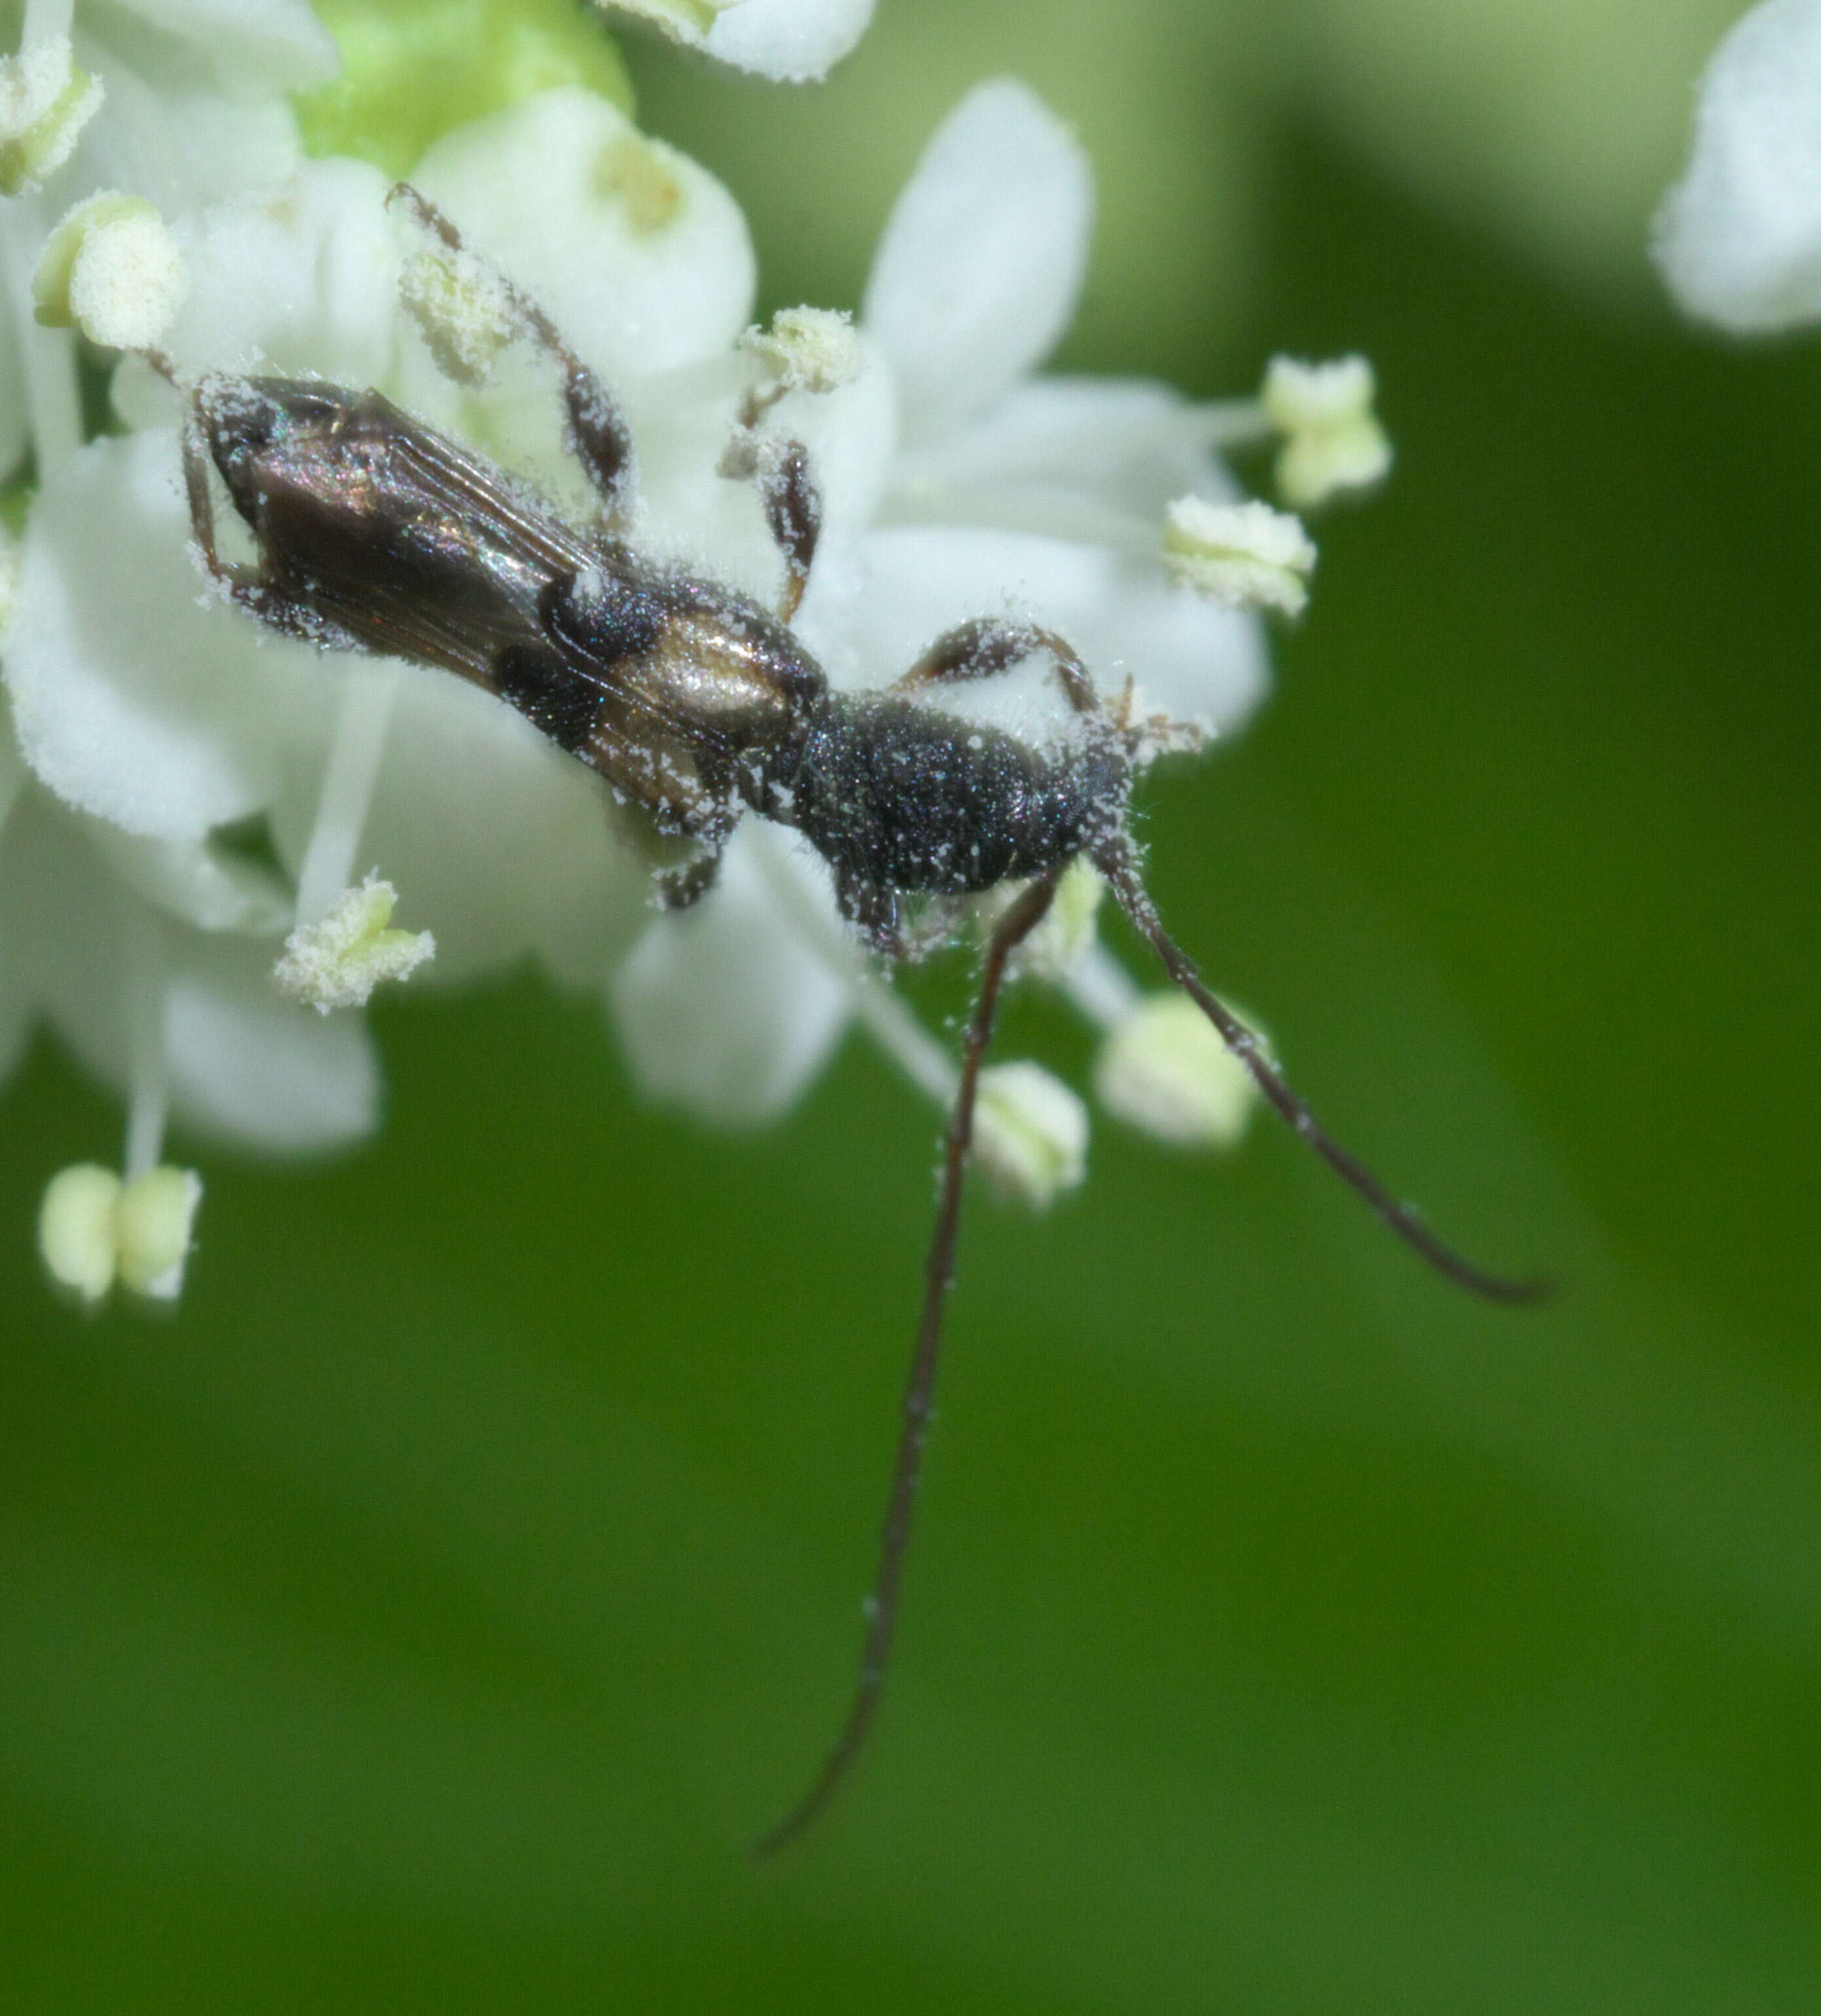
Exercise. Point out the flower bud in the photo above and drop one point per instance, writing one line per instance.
(1030, 1133)
(1164, 1069)
(793, 39)
(1068, 926)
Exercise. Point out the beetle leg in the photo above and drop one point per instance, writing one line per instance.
(793, 516)
(779, 469)
(874, 911)
(919, 1403)
(598, 433)
(990, 645)
(683, 888)
(239, 582)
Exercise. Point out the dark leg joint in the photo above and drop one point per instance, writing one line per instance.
(990, 645)
(598, 435)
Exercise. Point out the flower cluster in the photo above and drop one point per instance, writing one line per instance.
(188, 803)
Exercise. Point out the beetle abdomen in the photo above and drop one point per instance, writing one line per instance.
(894, 795)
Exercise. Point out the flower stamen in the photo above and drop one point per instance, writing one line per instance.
(348, 779)
(337, 961)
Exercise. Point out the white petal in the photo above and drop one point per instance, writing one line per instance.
(270, 46)
(1116, 445)
(637, 255)
(130, 701)
(246, 1064)
(197, 882)
(498, 843)
(1740, 238)
(1190, 660)
(724, 1008)
(166, 132)
(983, 258)
(791, 40)
(301, 276)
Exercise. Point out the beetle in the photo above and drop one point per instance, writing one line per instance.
(374, 531)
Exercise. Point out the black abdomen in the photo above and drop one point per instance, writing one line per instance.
(893, 795)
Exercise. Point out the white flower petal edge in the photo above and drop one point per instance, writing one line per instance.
(300, 275)
(1195, 661)
(792, 40)
(253, 45)
(1074, 448)
(1739, 238)
(85, 951)
(983, 255)
(130, 701)
(726, 1008)
(639, 255)
(789, 40)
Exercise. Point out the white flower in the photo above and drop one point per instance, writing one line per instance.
(152, 961)
(188, 103)
(955, 484)
(1739, 238)
(1009, 491)
(791, 40)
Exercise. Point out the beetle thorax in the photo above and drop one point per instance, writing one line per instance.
(897, 795)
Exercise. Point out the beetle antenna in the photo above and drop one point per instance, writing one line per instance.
(882, 1606)
(1115, 861)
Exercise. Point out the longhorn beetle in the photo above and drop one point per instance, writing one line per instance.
(374, 532)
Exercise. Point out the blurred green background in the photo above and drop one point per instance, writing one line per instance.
(423, 1618)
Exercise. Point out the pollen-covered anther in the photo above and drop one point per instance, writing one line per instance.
(809, 349)
(112, 269)
(94, 1229)
(1030, 1134)
(1240, 555)
(46, 100)
(1163, 1070)
(338, 961)
(462, 309)
(1069, 925)
(1332, 440)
